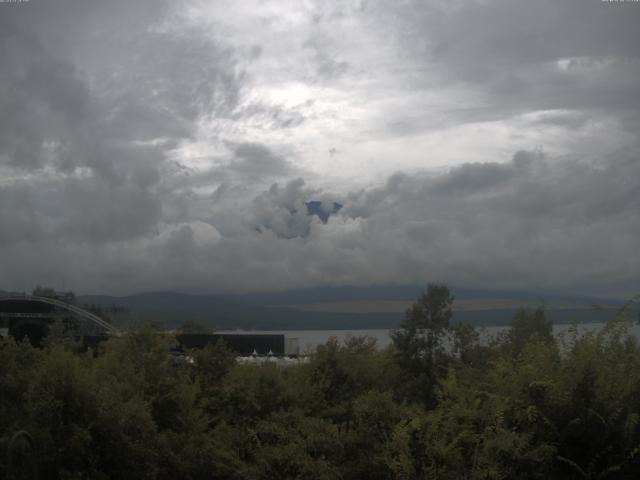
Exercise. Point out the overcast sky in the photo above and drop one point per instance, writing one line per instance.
(149, 145)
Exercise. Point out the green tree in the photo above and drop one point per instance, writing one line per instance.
(529, 326)
(419, 343)
(292, 445)
(337, 374)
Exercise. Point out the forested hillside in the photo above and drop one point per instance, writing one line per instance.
(527, 405)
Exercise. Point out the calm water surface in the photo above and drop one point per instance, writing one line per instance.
(308, 340)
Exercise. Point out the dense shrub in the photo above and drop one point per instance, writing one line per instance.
(525, 405)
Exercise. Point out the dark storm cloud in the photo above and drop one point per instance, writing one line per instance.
(535, 220)
(524, 55)
(98, 86)
(131, 158)
(41, 98)
(106, 212)
(245, 170)
(282, 209)
(475, 178)
(541, 224)
(529, 188)
(252, 159)
(17, 216)
(102, 95)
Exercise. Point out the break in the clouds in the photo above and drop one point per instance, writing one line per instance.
(233, 146)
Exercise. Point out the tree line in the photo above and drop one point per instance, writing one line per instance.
(438, 403)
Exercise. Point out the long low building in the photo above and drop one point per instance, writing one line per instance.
(30, 316)
(243, 344)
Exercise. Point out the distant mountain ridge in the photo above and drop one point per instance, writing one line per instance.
(408, 292)
(302, 309)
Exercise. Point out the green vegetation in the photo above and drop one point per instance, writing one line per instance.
(437, 403)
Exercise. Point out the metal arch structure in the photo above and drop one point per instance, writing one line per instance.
(80, 312)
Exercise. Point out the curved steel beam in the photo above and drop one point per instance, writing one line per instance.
(66, 306)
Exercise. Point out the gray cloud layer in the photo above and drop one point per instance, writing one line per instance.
(146, 147)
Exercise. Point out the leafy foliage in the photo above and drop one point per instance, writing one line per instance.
(419, 344)
(440, 402)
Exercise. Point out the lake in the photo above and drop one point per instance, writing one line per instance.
(308, 340)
